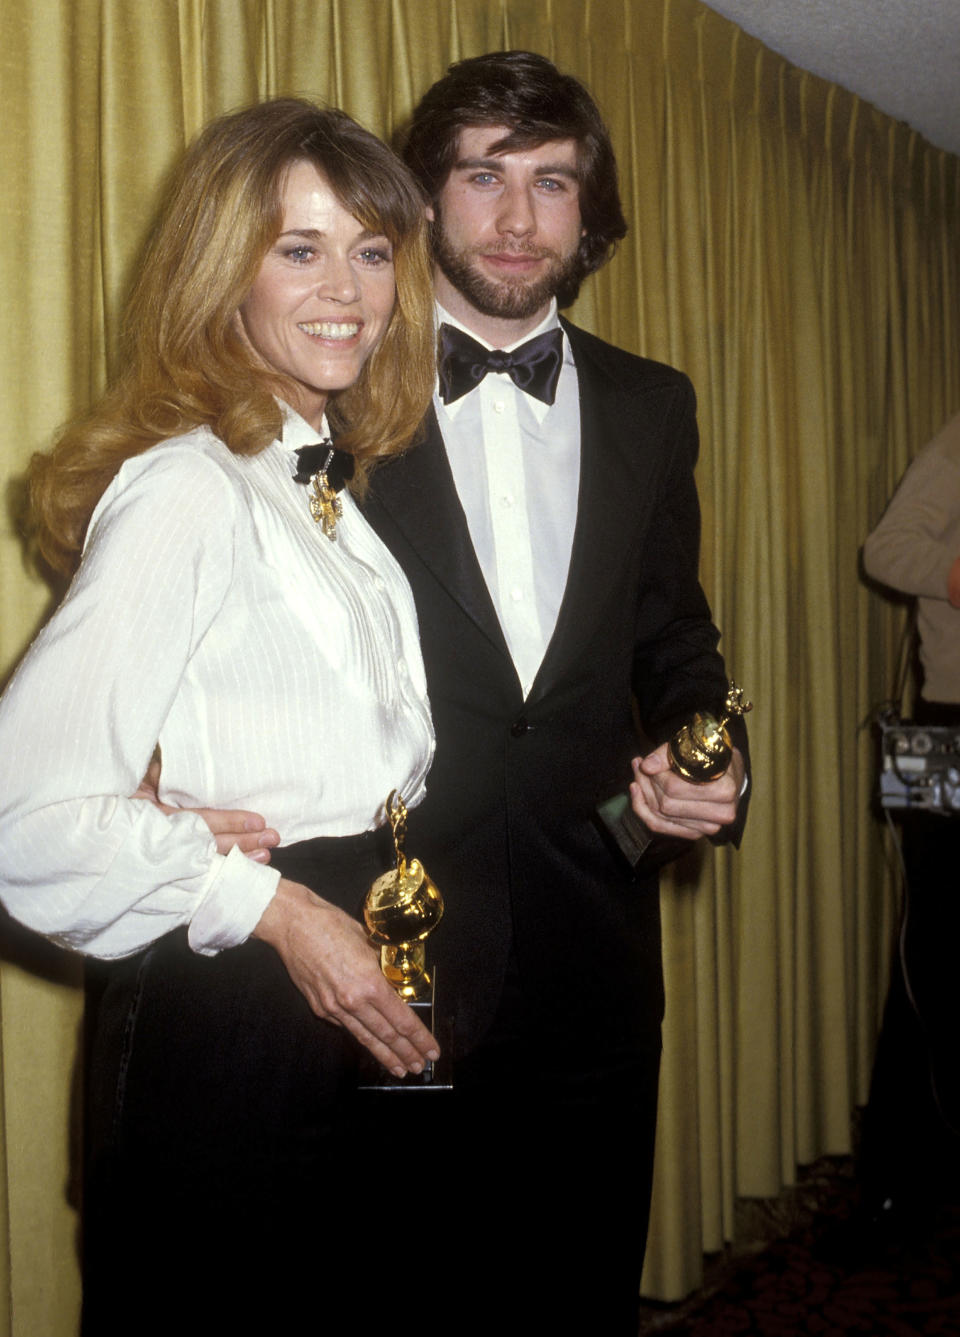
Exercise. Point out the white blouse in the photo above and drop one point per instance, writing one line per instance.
(279, 669)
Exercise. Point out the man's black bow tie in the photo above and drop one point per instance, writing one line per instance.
(533, 367)
(311, 459)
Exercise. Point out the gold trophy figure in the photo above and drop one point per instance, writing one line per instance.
(401, 909)
(701, 750)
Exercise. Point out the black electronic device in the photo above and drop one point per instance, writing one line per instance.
(920, 766)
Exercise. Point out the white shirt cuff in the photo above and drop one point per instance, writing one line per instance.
(233, 904)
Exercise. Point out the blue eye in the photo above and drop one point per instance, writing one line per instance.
(300, 255)
(376, 255)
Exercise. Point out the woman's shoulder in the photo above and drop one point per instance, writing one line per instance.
(176, 480)
(196, 461)
(198, 454)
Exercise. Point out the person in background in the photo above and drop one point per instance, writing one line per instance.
(226, 573)
(910, 1140)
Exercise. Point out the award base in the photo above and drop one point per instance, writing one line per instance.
(631, 840)
(621, 825)
(437, 1076)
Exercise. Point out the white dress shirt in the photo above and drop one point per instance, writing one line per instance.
(516, 466)
(280, 671)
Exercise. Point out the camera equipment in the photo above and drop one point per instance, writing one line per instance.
(920, 766)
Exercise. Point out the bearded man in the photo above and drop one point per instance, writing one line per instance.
(549, 527)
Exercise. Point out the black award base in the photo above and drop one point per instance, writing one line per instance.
(437, 1076)
(631, 839)
(623, 828)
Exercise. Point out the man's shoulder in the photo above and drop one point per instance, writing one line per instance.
(629, 368)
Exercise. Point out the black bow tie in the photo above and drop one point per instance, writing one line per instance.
(311, 459)
(533, 367)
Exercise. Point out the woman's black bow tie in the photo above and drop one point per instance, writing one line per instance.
(327, 469)
(312, 459)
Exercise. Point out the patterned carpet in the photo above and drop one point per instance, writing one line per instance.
(816, 1280)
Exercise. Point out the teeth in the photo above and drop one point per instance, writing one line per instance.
(330, 329)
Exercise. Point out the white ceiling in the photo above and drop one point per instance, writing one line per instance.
(901, 55)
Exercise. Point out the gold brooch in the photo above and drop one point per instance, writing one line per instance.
(325, 506)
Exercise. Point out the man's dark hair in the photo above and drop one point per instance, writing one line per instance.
(526, 93)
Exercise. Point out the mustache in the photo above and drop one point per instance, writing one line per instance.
(517, 248)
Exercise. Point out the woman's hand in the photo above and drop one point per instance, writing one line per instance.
(330, 960)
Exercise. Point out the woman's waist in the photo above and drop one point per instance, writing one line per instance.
(338, 868)
(300, 811)
(306, 775)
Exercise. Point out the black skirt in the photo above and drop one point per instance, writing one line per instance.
(229, 1164)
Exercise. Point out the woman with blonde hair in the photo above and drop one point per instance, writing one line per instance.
(233, 607)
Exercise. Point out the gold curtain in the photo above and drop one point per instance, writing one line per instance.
(796, 253)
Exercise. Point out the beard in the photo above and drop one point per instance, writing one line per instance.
(509, 298)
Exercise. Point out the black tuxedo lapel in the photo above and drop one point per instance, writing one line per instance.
(421, 498)
(618, 459)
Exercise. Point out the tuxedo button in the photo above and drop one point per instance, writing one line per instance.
(519, 727)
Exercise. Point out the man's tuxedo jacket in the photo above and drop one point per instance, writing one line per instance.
(507, 830)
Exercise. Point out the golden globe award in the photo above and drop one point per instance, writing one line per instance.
(401, 910)
(700, 751)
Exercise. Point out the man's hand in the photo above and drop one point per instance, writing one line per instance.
(330, 960)
(672, 806)
(247, 830)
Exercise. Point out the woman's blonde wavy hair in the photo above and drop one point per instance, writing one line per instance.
(185, 364)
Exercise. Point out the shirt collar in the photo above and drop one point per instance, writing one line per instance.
(296, 432)
(551, 321)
